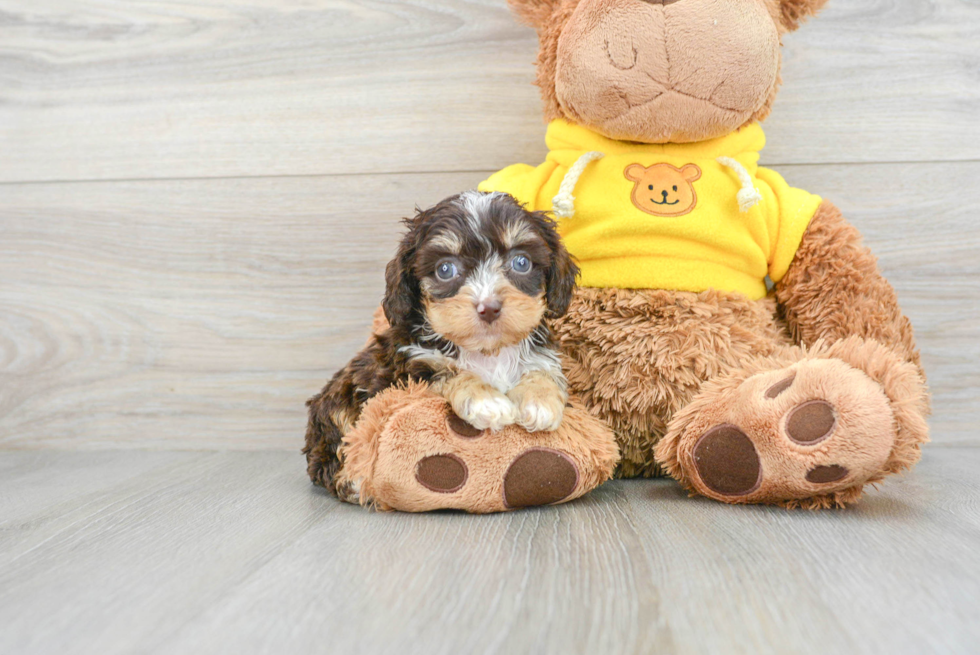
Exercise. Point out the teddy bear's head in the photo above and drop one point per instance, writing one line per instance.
(662, 189)
(659, 71)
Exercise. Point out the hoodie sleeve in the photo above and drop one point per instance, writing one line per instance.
(788, 221)
(524, 182)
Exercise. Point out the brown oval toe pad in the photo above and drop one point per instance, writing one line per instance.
(461, 427)
(727, 461)
(811, 422)
(539, 477)
(824, 474)
(780, 387)
(441, 473)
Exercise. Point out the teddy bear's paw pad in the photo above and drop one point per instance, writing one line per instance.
(539, 476)
(781, 386)
(727, 461)
(441, 473)
(811, 422)
(825, 474)
(462, 428)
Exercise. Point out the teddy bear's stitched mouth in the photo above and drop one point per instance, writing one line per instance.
(665, 202)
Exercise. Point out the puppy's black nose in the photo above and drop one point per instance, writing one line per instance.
(488, 310)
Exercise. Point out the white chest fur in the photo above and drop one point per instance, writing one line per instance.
(502, 371)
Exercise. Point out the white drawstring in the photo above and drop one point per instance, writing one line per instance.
(563, 204)
(748, 196)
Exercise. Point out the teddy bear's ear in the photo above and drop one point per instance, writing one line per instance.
(691, 172)
(533, 12)
(794, 12)
(634, 172)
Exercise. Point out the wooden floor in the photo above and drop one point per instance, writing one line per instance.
(232, 552)
(197, 200)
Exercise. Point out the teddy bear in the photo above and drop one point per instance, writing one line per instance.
(731, 331)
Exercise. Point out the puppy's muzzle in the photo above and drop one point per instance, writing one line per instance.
(488, 310)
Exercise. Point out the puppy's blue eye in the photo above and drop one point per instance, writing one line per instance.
(446, 271)
(520, 264)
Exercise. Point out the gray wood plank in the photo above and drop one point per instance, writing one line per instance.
(127, 89)
(236, 552)
(201, 314)
(143, 554)
(188, 314)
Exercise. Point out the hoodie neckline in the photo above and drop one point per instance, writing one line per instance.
(563, 135)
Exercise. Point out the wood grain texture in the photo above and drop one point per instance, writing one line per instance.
(202, 314)
(123, 89)
(121, 552)
(280, 141)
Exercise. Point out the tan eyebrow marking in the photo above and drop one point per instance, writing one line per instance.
(518, 233)
(447, 241)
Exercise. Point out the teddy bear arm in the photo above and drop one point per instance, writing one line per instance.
(834, 290)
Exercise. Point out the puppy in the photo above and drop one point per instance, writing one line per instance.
(466, 300)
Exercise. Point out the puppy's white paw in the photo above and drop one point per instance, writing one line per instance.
(494, 412)
(540, 416)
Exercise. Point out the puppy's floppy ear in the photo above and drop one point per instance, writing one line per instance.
(533, 12)
(794, 12)
(561, 273)
(401, 285)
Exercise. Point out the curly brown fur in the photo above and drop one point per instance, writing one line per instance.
(549, 26)
(636, 357)
(536, 13)
(334, 411)
(454, 294)
(361, 454)
(834, 289)
(793, 12)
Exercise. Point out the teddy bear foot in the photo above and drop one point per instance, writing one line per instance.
(815, 429)
(538, 476)
(409, 452)
(810, 434)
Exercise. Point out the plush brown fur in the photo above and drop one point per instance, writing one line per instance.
(403, 425)
(636, 357)
(834, 290)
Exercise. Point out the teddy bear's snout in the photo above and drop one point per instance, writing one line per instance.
(656, 71)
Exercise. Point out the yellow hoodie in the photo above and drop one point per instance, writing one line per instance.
(668, 216)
